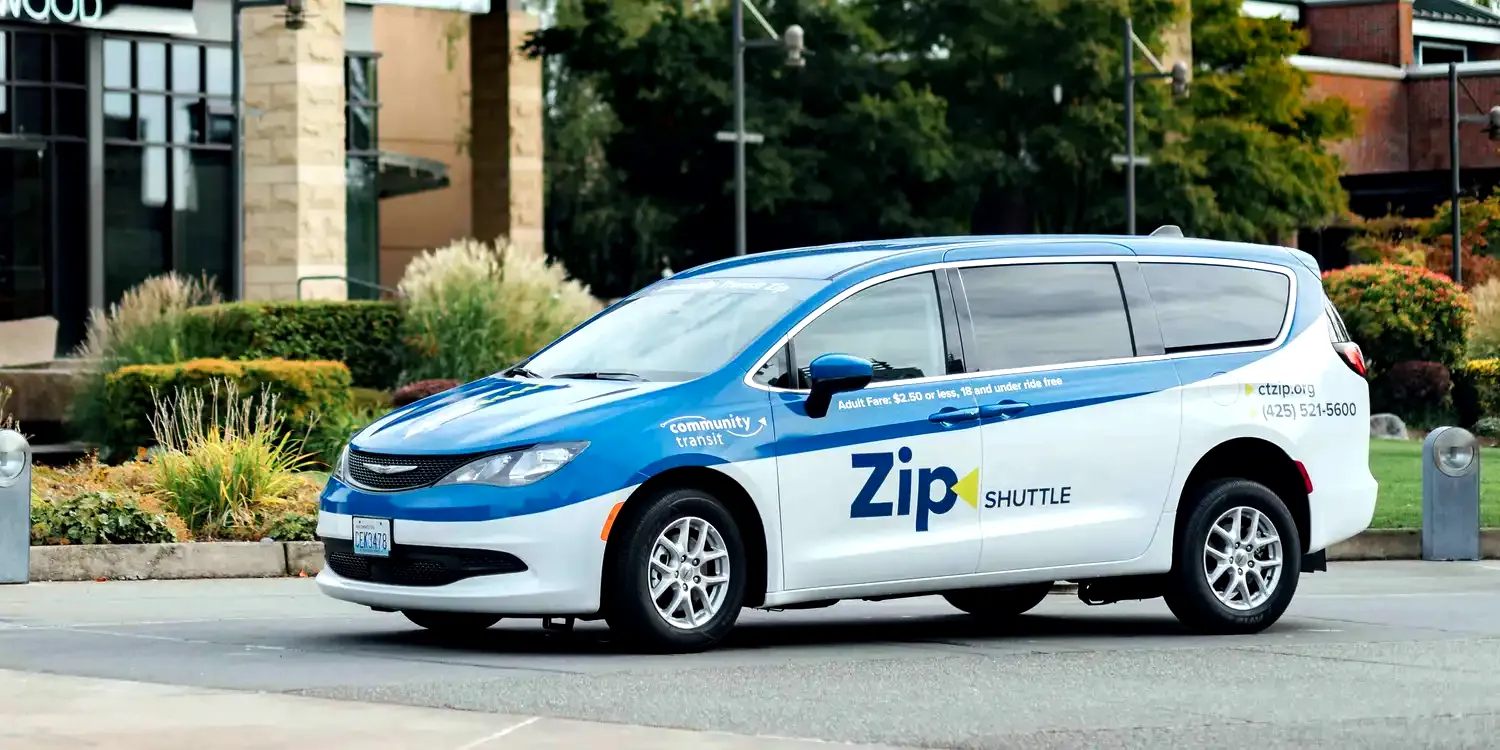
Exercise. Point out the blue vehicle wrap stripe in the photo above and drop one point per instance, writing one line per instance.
(617, 461)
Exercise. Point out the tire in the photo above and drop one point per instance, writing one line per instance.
(451, 622)
(637, 562)
(1001, 602)
(1188, 593)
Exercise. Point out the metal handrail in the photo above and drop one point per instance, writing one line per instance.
(346, 280)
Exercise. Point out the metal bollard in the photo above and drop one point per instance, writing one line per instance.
(15, 508)
(1450, 495)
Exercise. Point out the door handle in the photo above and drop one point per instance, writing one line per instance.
(951, 415)
(1003, 410)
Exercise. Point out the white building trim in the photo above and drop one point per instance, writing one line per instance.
(1267, 9)
(474, 7)
(1342, 67)
(1459, 32)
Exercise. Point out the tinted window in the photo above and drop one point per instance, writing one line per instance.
(1204, 306)
(894, 324)
(1046, 314)
(677, 330)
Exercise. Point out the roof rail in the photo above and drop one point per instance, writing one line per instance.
(1167, 230)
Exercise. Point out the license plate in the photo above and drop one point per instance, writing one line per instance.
(372, 537)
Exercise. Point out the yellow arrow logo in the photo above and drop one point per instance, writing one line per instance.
(967, 489)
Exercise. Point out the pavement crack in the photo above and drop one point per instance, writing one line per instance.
(1445, 669)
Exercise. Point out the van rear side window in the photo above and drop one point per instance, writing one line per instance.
(1203, 306)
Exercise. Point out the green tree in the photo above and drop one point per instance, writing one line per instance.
(917, 119)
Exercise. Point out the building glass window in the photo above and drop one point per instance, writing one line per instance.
(362, 145)
(167, 162)
(43, 177)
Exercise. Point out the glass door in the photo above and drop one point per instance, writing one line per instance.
(25, 275)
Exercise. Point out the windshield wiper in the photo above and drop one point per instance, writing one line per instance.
(601, 376)
(523, 372)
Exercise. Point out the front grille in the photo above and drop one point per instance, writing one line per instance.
(425, 471)
(411, 565)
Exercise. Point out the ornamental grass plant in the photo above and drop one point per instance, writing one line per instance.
(222, 460)
(474, 308)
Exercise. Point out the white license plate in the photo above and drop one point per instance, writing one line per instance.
(372, 537)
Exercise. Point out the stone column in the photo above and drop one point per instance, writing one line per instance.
(506, 117)
(294, 153)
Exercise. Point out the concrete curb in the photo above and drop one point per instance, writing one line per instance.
(139, 562)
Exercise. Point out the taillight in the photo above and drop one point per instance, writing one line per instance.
(1352, 356)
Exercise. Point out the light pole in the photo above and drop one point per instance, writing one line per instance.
(1178, 74)
(1491, 121)
(791, 40)
(295, 18)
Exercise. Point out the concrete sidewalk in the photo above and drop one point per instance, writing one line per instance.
(50, 711)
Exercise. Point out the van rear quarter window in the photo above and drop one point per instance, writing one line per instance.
(1205, 306)
(1042, 314)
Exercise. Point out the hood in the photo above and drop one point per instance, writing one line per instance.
(491, 413)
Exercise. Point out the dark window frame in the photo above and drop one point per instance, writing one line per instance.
(1140, 338)
(369, 153)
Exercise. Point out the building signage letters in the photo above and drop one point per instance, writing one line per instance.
(64, 11)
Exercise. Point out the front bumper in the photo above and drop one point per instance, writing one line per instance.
(562, 550)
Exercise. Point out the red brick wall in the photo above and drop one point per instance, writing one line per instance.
(1378, 31)
(1381, 110)
(1428, 123)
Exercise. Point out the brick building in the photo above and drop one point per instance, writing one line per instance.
(1389, 58)
(372, 130)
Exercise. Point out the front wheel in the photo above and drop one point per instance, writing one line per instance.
(678, 573)
(1238, 559)
(451, 622)
(999, 603)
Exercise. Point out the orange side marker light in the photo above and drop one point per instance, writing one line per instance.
(610, 522)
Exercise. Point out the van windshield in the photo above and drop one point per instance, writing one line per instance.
(678, 330)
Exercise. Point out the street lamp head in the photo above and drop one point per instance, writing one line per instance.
(296, 14)
(1057, 93)
(1493, 126)
(1180, 79)
(792, 39)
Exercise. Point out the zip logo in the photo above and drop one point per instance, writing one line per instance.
(920, 494)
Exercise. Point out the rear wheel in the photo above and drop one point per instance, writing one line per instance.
(678, 573)
(1237, 561)
(451, 622)
(1000, 602)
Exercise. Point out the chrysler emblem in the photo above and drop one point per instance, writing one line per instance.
(387, 469)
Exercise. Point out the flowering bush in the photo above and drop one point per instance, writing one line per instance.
(472, 308)
(1401, 313)
(410, 394)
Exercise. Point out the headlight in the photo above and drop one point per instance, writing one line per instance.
(341, 469)
(517, 468)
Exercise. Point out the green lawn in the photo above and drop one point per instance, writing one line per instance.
(1397, 465)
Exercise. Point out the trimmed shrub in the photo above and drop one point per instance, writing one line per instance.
(307, 393)
(365, 335)
(96, 517)
(410, 394)
(1487, 427)
(1476, 390)
(293, 526)
(1401, 314)
(147, 326)
(1419, 392)
(471, 309)
(222, 459)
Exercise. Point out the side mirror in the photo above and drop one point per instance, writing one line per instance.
(832, 374)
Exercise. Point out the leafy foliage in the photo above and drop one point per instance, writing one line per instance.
(96, 517)
(293, 526)
(1419, 392)
(365, 335)
(472, 308)
(1428, 243)
(308, 394)
(917, 119)
(1476, 390)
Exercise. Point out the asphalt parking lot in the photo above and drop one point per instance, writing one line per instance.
(1395, 654)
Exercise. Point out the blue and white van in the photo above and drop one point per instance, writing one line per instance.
(972, 417)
